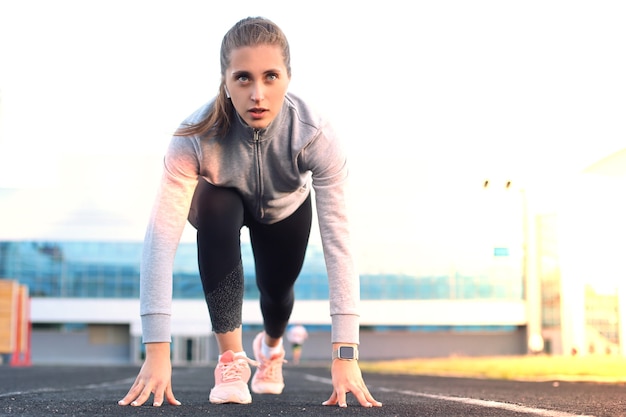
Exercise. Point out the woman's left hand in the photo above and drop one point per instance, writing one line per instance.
(347, 377)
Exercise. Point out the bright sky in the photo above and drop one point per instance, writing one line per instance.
(432, 97)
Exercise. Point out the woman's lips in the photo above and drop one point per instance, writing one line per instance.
(257, 113)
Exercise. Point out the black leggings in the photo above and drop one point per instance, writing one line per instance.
(278, 250)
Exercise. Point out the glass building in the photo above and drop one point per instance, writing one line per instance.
(111, 270)
(79, 290)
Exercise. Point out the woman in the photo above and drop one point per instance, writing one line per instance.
(249, 158)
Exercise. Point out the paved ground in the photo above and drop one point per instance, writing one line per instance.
(94, 391)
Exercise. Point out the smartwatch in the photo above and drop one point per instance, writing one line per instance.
(346, 353)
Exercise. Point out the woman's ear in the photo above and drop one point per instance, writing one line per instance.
(226, 91)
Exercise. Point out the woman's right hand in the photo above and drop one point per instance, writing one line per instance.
(155, 377)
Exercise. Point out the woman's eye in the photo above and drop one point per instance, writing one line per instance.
(243, 79)
(272, 77)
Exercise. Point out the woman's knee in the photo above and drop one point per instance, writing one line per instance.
(213, 205)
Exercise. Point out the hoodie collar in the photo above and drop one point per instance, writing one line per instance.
(267, 132)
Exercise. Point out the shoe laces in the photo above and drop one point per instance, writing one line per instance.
(232, 370)
(272, 368)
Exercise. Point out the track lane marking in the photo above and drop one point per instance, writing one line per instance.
(470, 401)
(99, 385)
(102, 385)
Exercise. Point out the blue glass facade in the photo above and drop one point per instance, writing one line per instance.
(111, 270)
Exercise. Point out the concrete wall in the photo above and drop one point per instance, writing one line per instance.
(111, 346)
(94, 345)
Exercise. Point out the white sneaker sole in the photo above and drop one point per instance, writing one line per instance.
(238, 396)
(268, 389)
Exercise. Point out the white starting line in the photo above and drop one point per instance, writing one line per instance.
(469, 401)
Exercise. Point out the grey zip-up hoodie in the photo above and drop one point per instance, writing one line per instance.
(273, 169)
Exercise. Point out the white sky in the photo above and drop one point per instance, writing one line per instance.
(432, 97)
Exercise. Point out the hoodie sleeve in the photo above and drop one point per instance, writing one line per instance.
(165, 227)
(327, 160)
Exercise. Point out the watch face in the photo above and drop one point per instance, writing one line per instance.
(346, 352)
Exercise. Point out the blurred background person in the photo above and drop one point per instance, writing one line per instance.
(296, 335)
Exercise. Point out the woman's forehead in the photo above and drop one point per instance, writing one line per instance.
(256, 58)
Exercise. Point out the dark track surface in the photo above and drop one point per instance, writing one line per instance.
(94, 391)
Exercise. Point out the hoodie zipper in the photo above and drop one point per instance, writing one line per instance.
(257, 153)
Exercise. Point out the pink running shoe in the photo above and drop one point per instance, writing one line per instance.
(232, 374)
(268, 377)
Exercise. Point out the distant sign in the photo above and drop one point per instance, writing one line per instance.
(500, 251)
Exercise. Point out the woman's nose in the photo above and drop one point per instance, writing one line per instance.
(257, 92)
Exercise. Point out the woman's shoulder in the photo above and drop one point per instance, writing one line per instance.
(306, 111)
(313, 127)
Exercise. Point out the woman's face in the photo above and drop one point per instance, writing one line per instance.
(257, 82)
